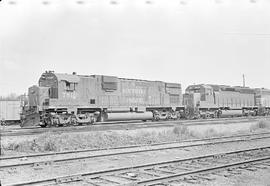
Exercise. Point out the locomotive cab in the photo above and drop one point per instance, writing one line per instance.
(39, 99)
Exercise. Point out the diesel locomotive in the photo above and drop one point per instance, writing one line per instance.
(71, 99)
(225, 101)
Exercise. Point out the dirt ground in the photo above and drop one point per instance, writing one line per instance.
(259, 177)
(109, 162)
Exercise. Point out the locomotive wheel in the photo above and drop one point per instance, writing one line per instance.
(101, 118)
(47, 122)
(73, 121)
(43, 126)
(44, 123)
(94, 120)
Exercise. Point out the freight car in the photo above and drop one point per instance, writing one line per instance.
(262, 100)
(10, 111)
(208, 100)
(71, 99)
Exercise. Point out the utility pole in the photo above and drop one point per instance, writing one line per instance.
(0, 144)
(244, 81)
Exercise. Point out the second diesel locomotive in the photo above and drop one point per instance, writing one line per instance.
(223, 101)
(71, 99)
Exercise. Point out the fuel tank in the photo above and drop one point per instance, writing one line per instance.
(231, 113)
(129, 116)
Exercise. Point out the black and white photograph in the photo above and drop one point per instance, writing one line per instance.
(134, 92)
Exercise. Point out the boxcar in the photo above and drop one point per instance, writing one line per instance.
(10, 111)
(262, 100)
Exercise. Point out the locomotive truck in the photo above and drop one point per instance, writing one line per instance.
(71, 99)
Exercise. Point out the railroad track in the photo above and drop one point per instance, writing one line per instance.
(180, 170)
(127, 125)
(33, 161)
(202, 166)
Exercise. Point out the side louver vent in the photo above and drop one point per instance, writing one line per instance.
(109, 83)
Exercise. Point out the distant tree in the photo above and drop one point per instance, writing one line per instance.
(10, 97)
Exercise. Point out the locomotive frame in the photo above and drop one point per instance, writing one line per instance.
(64, 99)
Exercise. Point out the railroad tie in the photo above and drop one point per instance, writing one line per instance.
(68, 179)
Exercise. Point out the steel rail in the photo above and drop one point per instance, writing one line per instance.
(126, 125)
(122, 169)
(136, 146)
(175, 176)
(156, 122)
(59, 160)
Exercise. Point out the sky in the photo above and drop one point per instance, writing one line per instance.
(180, 41)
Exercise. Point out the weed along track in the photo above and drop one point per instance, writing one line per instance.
(152, 147)
(127, 125)
(61, 167)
